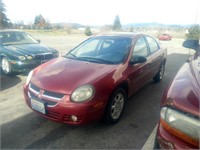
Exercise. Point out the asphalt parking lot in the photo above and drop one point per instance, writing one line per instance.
(23, 129)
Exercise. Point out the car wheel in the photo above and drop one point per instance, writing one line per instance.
(156, 144)
(159, 76)
(5, 65)
(115, 106)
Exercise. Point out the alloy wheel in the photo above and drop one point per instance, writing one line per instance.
(6, 66)
(162, 70)
(117, 105)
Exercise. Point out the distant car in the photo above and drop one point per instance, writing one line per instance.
(179, 125)
(165, 37)
(20, 52)
(95, 78)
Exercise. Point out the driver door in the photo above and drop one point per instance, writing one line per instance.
(140, 73)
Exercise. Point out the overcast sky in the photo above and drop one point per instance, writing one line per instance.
(101, 12)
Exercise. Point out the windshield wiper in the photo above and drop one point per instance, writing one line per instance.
(94, 59)
(67, 56)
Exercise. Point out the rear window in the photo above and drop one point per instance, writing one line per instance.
(153, 45)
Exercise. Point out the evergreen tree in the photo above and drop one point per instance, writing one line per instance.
(117, 24)
(4, 21)
(88, 31)
(193, 32)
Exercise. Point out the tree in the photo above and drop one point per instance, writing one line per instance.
(68, 28)
(88, 31)
(193, 32)
(131, 29)
(48, 25)
(4, 21)
(40, 21)
(117, 24)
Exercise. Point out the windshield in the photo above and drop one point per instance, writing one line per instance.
(13, 38)
(106, 50)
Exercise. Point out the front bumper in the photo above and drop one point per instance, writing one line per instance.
(23, 66)
(168, 141)
(64, 110)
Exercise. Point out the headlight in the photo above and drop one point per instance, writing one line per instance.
(82, 93)
(182, 122)
(29, 57)
(22, 58)
(29, 77)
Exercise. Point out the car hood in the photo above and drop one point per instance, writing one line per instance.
(26, 49)
(195, 68)
(65, 75)
(184, 92)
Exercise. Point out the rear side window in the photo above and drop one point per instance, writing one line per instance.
(153, 45)
(140, 47)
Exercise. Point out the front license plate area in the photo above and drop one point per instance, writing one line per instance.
(38, 106)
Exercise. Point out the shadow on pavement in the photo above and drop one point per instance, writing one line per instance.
(7, 82)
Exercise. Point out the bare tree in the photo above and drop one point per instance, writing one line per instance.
(40, 21)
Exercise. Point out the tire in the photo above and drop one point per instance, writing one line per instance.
(115, 106)
(159, 76)
(6, 67)
(156, 144)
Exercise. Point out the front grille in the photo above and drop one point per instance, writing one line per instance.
(53, 95)
(45, 56)
(48, 97)
(47, 102)
(54, 115)
(34, 88)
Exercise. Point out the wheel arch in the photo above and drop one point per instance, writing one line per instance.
(164, 60)
(1, 56)
(124, 85)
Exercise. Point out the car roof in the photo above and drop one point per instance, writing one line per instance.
(10, 30)
(122, 34)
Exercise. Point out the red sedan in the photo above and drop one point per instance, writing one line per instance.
(165, 37)
(94, 79)
(179, 125)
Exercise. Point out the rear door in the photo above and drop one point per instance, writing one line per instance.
(156, 54)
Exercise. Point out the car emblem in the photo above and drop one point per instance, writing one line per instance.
(40, 94)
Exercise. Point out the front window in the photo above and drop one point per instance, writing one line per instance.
(15, 38)
(105, 50)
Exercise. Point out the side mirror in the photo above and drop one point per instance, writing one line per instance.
(137, 59)
(192, 44)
